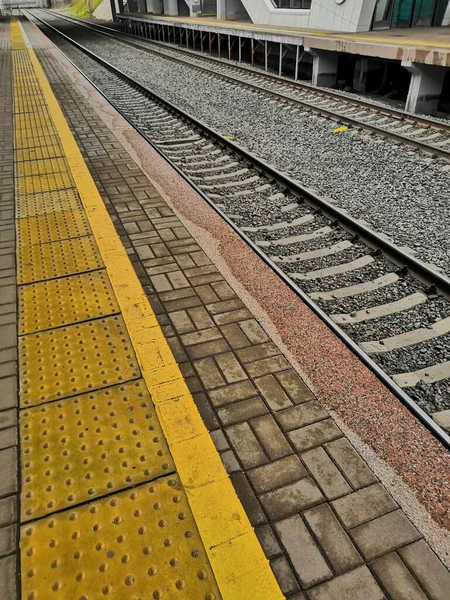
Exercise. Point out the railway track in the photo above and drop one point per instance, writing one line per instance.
(428, 134)
(388, 307)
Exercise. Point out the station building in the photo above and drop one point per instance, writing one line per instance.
(327, 15)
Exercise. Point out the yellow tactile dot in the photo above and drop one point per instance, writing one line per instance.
(76, 359)
(52, 227)
(81, 448)
(44, 203)
(43, 183)
(40, 167)
(57, 259)
(66, 300)
(129, 546)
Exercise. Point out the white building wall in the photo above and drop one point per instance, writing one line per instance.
(350, 15)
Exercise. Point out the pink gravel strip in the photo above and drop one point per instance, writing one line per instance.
(339, 380)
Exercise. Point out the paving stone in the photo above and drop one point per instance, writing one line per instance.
(7, 540)
(292, 498)
(272, 393)
(384, 534)
(8, 338)
(325, 473)
(209, 373)
(207, 349)
(219, 439)
(8, 418)
(268, 541)
(253, 331)
(294, 386)
(332, 538)
(391, 572)
(364, 505)
(230, 462)
(200, 337)
(348, 460)
(232, 393)
(258, 352)
(206, 293)
(8, 369)
(8, 510)
(267, 366)
(7, 294)
(246, 446)
(8, 437)
(248, 498)
(304, 554)
(242, 411)
(201, 318)
(314, 435)
(234, 336)
(205, 409)
(161, 283)
(177, 349)
(8, 469)
(358, 584)
(223, 290)
(271, 437)
(428, 569)
(230, 367)
(187, 302)
(301, 415)
(181, 321)
(284, 575)
(8, 578)
(233, 316)
(225, 306)
(276, 474)
(177, 295)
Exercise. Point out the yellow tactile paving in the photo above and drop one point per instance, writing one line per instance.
(35, 142)
(139, 544)
(148, 541)
(78, 449)
(65, 301)
(38, 153)
(40, 167)
(76, 359)
(33, 205)
(57, 259)
(43, 183)
(52, 227)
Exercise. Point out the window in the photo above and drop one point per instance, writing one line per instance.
(305, 4)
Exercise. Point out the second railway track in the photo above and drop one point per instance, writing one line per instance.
(386, 305)
(430, 135)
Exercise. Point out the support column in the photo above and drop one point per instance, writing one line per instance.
(368, 75)
(113, 10)
(153, 6)
(221, 10)
(171, 8)
(325, 65)
(425, 87)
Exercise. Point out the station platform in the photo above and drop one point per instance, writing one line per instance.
(174, 422)
(427, 45)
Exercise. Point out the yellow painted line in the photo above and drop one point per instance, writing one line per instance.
(241, 570)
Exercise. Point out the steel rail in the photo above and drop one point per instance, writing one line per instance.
(299, 191)
(329, 113)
